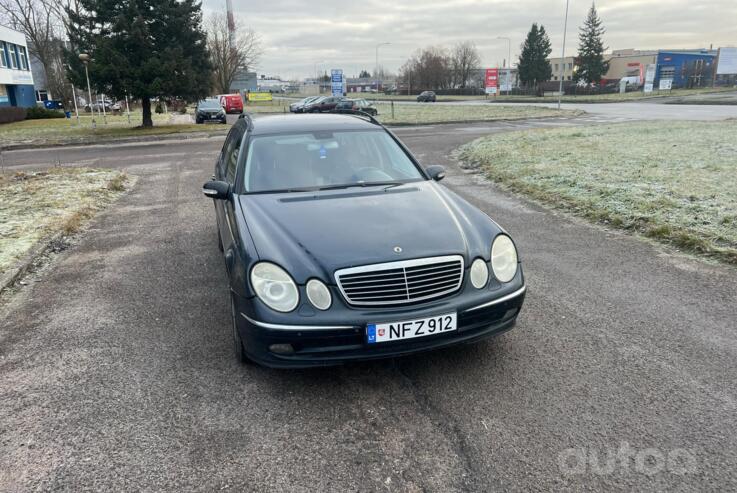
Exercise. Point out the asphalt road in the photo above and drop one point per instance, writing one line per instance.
(116, 367)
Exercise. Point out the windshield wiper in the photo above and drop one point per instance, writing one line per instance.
(360, 184)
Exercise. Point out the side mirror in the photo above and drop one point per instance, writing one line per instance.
(216, 189)
(436, 172)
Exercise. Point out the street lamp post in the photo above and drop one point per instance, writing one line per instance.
(316, 80)
(509, 61)
(85, 58)
(563, 56)
(376, 67)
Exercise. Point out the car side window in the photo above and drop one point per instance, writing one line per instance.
(224, 153)
(231, 157)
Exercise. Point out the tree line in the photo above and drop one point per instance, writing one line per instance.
(144, 49)
(439, 68)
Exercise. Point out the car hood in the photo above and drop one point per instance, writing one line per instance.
(317, 233)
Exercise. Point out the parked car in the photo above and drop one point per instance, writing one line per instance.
(426, 97)
(298, 106)
(339, 246)
(354, 105)
(107, 105)
(209, 111)
(323, 104)
(232, 103)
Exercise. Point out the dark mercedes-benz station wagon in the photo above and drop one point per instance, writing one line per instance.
(339, 246)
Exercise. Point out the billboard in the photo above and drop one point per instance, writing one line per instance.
(505, 80)
(492, 80)
(336, 81)
(259, 96)
(727, 64)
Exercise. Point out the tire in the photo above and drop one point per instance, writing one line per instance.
(198, 121)
(239, 349)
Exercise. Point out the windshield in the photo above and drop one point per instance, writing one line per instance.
(209, 104)
(323, 160)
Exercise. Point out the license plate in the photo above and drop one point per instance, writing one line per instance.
(410, 329)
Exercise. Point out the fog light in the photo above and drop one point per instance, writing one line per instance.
(281, 349)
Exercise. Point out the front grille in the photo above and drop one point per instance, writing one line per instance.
(402, 282)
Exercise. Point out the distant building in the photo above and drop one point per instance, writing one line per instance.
(567, 66)
(272, 84)
(629, 64)
(16, 79)
(683, 68)
(244, 81)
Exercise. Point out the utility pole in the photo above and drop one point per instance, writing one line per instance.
(85, 58)
(508, 77)
(563, 56)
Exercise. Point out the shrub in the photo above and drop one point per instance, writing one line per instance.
(12, 114)
(38, 113)
(159, 108)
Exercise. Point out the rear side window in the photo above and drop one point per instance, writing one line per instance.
(230, 153)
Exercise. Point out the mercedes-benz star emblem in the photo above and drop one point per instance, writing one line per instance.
(397, 249)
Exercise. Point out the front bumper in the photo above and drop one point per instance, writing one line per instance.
(325, 338)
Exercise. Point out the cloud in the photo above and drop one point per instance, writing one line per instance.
(300, 37)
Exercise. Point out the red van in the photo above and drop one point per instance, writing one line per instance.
(231, 102)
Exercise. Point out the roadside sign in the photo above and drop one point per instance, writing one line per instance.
(665, 84)
(336, 81)
(492, 80)
(259, 96)
(727, 60)
(505, 80)
(650, 77)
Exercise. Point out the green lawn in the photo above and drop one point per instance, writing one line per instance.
(35, 206)
(611, 98)
(61, 130)
(411, 114)
(675, 182)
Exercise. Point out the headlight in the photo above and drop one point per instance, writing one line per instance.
(274, 287)
(318, 294)
(479, 273)
(504, 258)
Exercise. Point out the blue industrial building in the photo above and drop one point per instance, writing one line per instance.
(685, 69)
(16, 79)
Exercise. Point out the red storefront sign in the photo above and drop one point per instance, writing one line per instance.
(492, 80)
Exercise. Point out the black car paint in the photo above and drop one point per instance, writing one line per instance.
(357, 226)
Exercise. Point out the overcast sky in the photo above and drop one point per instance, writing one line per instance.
(343, 34)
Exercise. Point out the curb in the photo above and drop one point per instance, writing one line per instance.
(8, 279)
(125, 140)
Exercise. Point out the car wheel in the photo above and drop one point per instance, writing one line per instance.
(240, 350)
(198, 121)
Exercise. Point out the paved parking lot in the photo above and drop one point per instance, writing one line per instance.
(116, 367)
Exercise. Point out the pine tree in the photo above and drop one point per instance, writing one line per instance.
(533, 65)
(591, 63)
(145, 48)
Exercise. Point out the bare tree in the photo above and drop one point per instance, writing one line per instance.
(429, 68)
(228, 60)
(464, 60)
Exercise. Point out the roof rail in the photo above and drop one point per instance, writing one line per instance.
(369, 116)
(246, 116)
